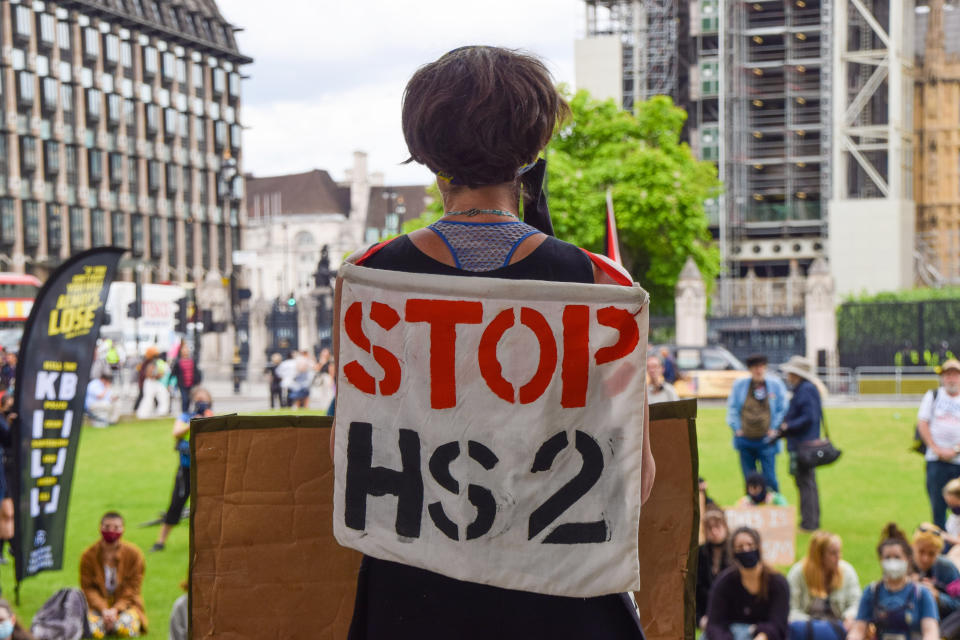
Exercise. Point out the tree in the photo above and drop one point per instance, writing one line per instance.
(658, 189)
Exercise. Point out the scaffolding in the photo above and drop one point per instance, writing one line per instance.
(648, 31)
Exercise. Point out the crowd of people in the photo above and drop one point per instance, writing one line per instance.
(294, 380)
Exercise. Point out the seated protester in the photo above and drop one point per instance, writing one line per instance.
(658, 389)
(750, 599)
(934, 571)
(759, 494)
(824, 591)
(111, 576)
(951, 495)
(896, 606)
(714, 558)
(100, 403)
(10, 629)
(179, 616)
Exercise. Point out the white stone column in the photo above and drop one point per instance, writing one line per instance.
(691, 307)
(258, 336)
(307, 322)
(821, 313)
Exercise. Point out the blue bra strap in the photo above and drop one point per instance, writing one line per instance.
(453, 253)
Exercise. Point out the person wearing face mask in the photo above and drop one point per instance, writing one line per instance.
(898, 607)
(759, 494)
(935, 571)
(111, 577)
(938, 425)
(10, 629)
(750, 600)
(824, 591)
(203, 408)
(713, 558)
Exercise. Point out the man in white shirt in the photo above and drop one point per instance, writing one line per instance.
(101, 403)
(938, 423)
(658, 389)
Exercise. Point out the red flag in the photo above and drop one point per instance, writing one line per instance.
(611, 243)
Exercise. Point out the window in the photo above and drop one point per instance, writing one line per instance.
(71, 162)
(219, 134)
(709, 16)
(149, 61)
(172, 242)
(3, 155)
(235, 137)
(205, 245)
(91, 43)
(152, 118)
(7, 222)
(181, 73)
(191, 251)
(98, 231)
(219, 82)
(28, 154)
(66, 97)
(54, 229)
(133, 176)
(47, 28)
(126, 54)
(138, 7)
(169, 123)
(198, 77)
(31, 224)
(188, 185)
(710, 142)
(183, 126)
(116, 169)
(51, 157)
(173, 178)
(22, 28)
(130, 116)
(169, 66)
(222, 248)
(202, 187)
(76, 229)
(118, 227)
(111, 49)
(234, 85)
(63, 35)
(49, 95)
(153, 176)
(156, 233)
(709, 77)
(94, 105)
(136, 234)
(26, 89)
(95, 166)
(200, 133)
(114, 109)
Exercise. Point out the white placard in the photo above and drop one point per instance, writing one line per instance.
(490, 430)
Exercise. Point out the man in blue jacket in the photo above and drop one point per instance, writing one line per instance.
(801, 424)
(755, 408)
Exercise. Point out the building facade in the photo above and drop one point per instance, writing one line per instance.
(121, 125)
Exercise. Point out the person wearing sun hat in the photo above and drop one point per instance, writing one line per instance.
(938, 424)
(801, 424)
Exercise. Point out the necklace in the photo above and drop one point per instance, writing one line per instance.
(470, 213)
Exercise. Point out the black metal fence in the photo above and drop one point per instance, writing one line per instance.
(898, 333)
(777, 337)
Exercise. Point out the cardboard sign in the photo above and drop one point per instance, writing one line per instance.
(777, 527)
(490, 430)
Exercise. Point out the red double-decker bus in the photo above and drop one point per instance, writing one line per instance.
(17, 293)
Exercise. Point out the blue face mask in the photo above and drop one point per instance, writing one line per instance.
(6, 629)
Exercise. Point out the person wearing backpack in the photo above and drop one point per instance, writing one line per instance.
(938, 425)
(899, 608)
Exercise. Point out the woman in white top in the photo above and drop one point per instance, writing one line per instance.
(824, 591)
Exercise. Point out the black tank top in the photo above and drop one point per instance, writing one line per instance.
(400, 602)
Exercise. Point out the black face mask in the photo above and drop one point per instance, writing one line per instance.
(955, 510)
(759, 498)
(748, 559)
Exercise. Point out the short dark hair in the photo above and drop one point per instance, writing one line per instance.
(756, 479)
(480, 113)
(755, 359)
(111, 515)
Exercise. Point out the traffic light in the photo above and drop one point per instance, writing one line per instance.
(133, 309)
(291, 301)
(180, 316)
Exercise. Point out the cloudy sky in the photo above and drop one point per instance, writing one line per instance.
(328, 75)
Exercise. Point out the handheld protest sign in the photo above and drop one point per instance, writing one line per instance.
(491, 430)
(777, 527)
(263, 560)
(669, 526)
(56, 353)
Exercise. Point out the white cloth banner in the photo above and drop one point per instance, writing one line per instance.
(490, 430)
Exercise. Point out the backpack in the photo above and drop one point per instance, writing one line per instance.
(62, 617)
(918, 444)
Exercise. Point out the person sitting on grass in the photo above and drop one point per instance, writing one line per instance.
(758, 494)
(896, 605)
(713, 558)
(203, 408)
(750, 599)
(934, 571)
(10, 629)
(111, 577)
(951, 495)
(824, 591)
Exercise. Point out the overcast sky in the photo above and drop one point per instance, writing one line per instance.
(328, 75)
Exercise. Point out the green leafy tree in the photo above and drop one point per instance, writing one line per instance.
(658, 189)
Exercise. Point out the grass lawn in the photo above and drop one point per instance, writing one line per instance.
(876, 480)
(131, 468)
